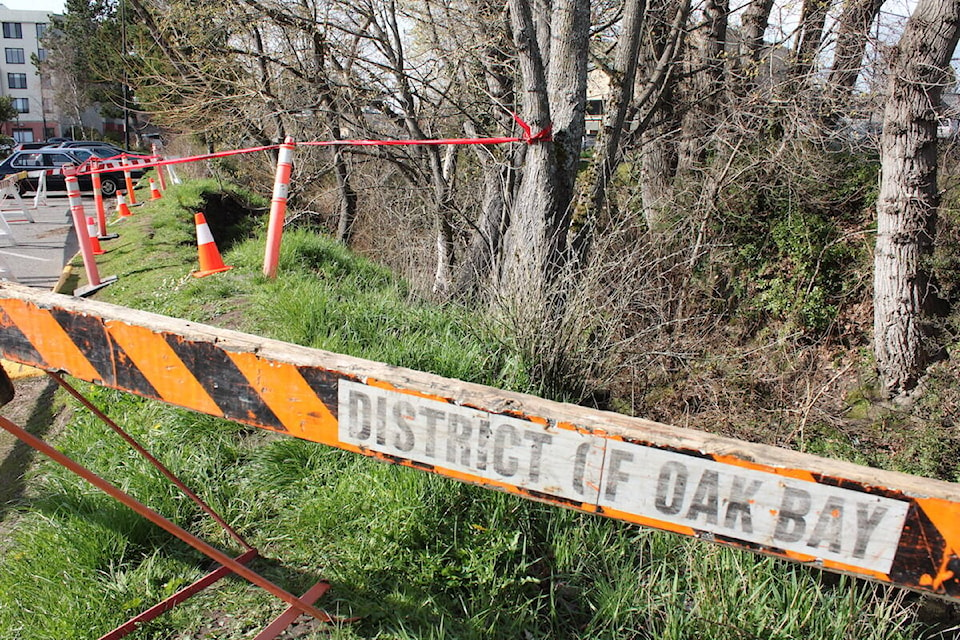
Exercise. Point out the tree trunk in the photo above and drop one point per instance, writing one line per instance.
(812, 19)
(852, 33)
(908, 199)
(535, 245)
(705, 86)
(476, 272)
(347, 196)
(607, 154)
(658, 128)
(749, 64)
(658, 163)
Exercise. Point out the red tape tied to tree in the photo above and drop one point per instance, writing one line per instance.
(528, 137)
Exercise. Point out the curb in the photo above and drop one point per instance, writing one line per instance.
(16, 370)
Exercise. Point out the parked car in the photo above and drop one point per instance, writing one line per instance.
(21, 146)
(88, 144)
(105, 155)
(33, 160)
(97, 144)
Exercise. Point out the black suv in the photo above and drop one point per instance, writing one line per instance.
(47, 159)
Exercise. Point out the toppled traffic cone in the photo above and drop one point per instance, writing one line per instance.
(210, 260)
(154, 192)
(123, 210)
(94, 238)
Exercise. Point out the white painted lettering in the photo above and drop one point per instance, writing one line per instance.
(653, 485)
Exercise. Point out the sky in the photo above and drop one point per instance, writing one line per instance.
(52, 6)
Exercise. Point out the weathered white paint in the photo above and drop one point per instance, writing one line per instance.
(769, 509)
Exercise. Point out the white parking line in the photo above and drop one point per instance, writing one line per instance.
(20, 255)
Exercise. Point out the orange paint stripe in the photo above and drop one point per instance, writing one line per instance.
(50, 340)
(477, 480)
(945, 516)
(649, 522)
(162, 368)
(798, 474)
(290, 397)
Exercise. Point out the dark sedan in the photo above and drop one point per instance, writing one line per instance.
(52, 161)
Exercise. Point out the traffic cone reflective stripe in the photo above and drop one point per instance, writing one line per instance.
(94, 239)
(122, 209)
(210, 260)
(154, 192)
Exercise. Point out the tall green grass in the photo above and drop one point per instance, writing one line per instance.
(416, 556)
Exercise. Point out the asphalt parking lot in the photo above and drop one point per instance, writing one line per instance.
(35, 253)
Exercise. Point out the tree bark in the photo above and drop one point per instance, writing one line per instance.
(908, 199)
(812, 19)
(705, 86)
(607, 154)
(553, 92)
(852, 33)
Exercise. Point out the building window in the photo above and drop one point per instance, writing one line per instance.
(49, 132)
(12, 30)
(41, 55)
(22, 105)
(17, 80)
(23, 135)
(15, 56)
(41, 29)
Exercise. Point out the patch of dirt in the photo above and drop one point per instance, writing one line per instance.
(35, 409)
(225, 625)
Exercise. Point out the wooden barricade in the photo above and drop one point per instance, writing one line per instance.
(880, 525)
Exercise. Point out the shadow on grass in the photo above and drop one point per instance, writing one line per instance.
(20, 456)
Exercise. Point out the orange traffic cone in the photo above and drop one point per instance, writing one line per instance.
(123, 210)
(210, 260)
(94, 238)
(154, 192)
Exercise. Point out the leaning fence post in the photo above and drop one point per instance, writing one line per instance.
(278, 208)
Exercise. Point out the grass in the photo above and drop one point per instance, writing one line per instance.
(416, 556)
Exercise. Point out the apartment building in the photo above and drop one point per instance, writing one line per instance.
(32, 96)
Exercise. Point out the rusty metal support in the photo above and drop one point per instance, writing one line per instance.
(230, 564)
(287, 618)
(169, 475)
(166, 605)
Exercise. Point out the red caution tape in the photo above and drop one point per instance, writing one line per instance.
(528, 137)
(544, 135)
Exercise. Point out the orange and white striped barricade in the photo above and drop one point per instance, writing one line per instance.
(157, 158)
(95, 283)
(98, 202)
(128, 179)
(278, 208)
